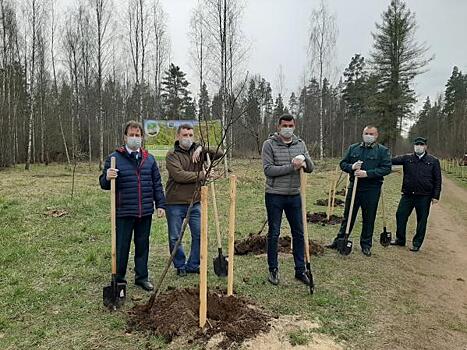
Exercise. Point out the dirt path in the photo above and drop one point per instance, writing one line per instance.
(435, 314)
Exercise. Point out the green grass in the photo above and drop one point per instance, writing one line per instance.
(53, 269)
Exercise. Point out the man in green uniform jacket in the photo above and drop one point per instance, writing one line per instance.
(370, 162)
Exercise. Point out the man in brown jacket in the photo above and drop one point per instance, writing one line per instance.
(185, 166)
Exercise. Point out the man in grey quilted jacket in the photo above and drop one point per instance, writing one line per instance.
(284, 154)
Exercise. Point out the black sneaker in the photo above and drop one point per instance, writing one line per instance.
(181, 272)
(414, 249)
(302, 277)
(274, 277)
(332, 245)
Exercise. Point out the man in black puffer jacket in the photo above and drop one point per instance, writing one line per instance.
(421, 187)
(138, 188)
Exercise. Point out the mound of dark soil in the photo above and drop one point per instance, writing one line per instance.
(321, 218)
(176, 313)
(257, 244)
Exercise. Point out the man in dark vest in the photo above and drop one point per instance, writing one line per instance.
(138, 189)
(421, 187)
(284, 154)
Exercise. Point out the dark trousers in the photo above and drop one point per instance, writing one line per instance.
(141, 228)
(422, 208)
(276, 204)
(367, 199)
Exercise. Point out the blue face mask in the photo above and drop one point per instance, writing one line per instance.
(286, 132)
(419, 149)
(369, 139)
(133, 142)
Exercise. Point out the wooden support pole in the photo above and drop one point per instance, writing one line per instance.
(334, 188)
(233, 203)
(203, 267)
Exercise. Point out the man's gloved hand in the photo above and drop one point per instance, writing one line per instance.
(111, 174)
(357, 165)
(197, 154)
(299, 161)
(361, 174)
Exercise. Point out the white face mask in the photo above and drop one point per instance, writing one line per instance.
(186, 142)
(369, 139)
(419, 149)
(286, 132)
(133, 142)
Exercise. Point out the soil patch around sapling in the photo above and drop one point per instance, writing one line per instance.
(257, 244)
(175, 314)
(321, 218)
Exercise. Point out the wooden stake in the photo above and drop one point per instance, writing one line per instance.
(203, 267)
(347, 185)
(328, 212)
(334, 187)
(233, 202)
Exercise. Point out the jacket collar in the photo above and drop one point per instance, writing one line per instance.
(373, 145)
(122, 150)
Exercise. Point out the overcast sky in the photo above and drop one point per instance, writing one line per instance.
(277, 32)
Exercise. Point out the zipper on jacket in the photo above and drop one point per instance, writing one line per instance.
(140, 197)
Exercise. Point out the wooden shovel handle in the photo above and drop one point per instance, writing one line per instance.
(214, 206)
(305, 224)
(352, 200)
(216, 215)
(113, 220)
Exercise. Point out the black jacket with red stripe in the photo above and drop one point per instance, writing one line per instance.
(139, 184)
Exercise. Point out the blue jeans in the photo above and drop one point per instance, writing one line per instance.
(175, 214)
(292, 206)
(141, 227)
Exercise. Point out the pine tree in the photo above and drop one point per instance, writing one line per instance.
(176, 97)
(278, 107)
(293, 104)
(204, 110)
(397, 59)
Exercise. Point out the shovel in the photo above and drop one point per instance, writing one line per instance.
(344, 245)
(220, 262)
(115, 294)
(385, 236)
(305, 230)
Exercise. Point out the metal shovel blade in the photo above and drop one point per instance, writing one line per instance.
(221, 264)
(385, 238)
(344, 246)
(114, 295)
(310, 278)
